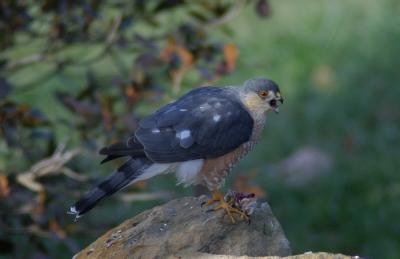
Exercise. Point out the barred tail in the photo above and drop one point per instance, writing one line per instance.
(127, 173)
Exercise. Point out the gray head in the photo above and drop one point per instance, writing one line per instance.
(264, 94)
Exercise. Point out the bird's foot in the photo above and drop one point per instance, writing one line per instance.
(230, 210)
(216, 197)
(227, 206)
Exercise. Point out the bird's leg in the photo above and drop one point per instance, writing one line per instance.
(226, 206)
(217, 196)
(229, 209)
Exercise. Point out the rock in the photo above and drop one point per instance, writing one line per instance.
(183, 226)
(304, 166)
(308, 255)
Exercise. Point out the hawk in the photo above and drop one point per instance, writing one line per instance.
(200, 137)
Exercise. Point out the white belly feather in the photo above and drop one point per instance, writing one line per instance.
(186, 172)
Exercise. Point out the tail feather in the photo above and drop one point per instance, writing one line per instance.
(125, 174)
(131, 148)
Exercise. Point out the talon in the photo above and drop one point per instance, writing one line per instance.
(227, 206)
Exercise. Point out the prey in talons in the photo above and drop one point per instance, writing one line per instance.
(233, 203)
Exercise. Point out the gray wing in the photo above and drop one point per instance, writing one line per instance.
(205, 123)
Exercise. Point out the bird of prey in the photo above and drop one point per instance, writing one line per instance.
(200, 137)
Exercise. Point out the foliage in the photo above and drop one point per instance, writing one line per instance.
(98, 67)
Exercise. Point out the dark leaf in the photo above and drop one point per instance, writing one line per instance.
(3, 62)
(200, 16)
(221, 9)
(139, 6)
(11, 113)
(42, 134)
(9, 133)
(83, 108)
(91, 85)
(263, 8)
(146, 60)
(5, 88)
(145, 42)
(6, 246)
(126, 23)
(31, 117)
(168, 4)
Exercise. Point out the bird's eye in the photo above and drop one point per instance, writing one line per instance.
(263, 93)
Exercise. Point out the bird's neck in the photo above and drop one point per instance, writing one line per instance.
(259, 123)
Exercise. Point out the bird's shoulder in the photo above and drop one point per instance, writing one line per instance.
(199, 103)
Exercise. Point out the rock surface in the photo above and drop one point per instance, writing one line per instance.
(320, 255)
(183, 229)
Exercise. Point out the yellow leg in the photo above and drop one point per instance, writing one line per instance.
(226, 206)
(216, 197)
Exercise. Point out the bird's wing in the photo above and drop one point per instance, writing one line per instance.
(205, 123)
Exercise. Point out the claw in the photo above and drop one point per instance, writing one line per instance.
(227, 206)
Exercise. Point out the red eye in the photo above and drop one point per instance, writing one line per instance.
(264, 93)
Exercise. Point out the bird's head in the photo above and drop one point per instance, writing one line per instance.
(262, 95)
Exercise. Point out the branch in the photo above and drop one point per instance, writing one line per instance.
(232, 13)
(35, 58)
(53, 165)
(113, 32)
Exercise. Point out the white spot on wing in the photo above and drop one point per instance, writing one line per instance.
(184, 134)
(155, 130)
(216, 117)
(204, 106)
(182, 110)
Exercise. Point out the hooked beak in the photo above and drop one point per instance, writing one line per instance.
(275, 103)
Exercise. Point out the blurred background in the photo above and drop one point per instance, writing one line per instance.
(78, 75)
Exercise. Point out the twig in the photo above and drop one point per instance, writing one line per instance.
(73, 175)
(35, 58)
(52, 165)
(113, 32)
(232, 13)
(177, 80)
